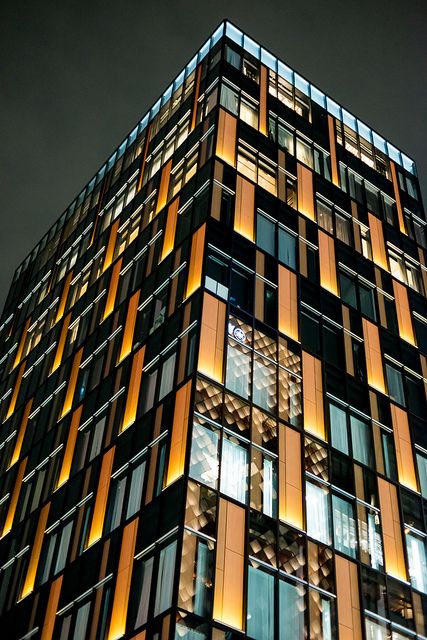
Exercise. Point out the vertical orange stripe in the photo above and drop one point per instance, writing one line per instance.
(305, 191)
(333, 150)
(288, 303)
(164, 186)
(374, 364)
(61, 343)
(263, 101)
(21, 343)
(379, 254)
(395, 181)
(244, 212)
(196, 261)
(403, 311)
(133, 389)
(124, 575)
(111, 245)
(21, 433)
(69, 449)
(392, 530)
(179, 434)
(169, 236)
(226, 138)
(196, 97)
(35, 553)
(72, 382)
(51, 609)
(404, 454)
(129, 329)
(313, 395)
(348, 599)
(112, 289)
(14, 499)
(290, 477)
(212, 337)
(15, 393)
(64, 296)
(101, 498)
(328, 272)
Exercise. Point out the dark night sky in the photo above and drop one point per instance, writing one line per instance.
(76, 76)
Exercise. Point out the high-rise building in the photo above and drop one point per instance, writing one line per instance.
(213, 371)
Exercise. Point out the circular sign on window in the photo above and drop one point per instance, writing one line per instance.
(239, 334)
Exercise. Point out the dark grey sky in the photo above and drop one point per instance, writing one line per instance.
(77, 75)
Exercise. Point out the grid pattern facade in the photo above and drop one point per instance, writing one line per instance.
(213, 374)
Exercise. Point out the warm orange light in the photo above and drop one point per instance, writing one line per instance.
(392, 530)
(196, 261)
(109, 254)
(402, 441)
(400, 217)
(313, 395)
(64, 296)
(305, 191)
(127, 340)
(169, 236)
(379, 254)
(290, 477)
(179, 434)
(328, 272)
(133, 389)
(16, 388)
(403, 312)
(51, 609)
(112, 289)
(61, 344)
(124, 575)
(69, 449)
(21, 344)
(263, 100)
(374, 364)
(288, 303)
(348, 599)
(101, 498)
(211, 348)
(164, 186)
(245, 208)
(333, 150)
(21, 434)
(35, 553)
(14, 499)
(72, 383)
(226, 138)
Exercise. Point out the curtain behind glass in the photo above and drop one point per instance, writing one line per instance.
(165, 578)
(361, 441)
(317, 501)
(260, 605)
(338, 422)
(291, 612)
(234, 470)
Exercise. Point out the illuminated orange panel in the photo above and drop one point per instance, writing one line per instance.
(196, 261)
(226, 139)
(196, 97)
(397, 197)
(403, 311)
(69, 449)
(101, 498)
(229, 569)
(64, 296)
(133, 389)
(14, 499)
(21, 343)
(35, 553)
(244, 212)
(16, 388)
(263, 100)
(164, 186)
(328, 272)
(129, 329)
(290, 478)
(179, 434)
(61, 343)
(392, 530)
(72, 383)
(112, 289)
(169, 236)
(51, 609)
(313, 395)
(211, 349)
(124, 575)
(21, 434)
(288, 303)
(374, 363)
(348, 599)
(111, 245)
(333, 150)
(402, 441)
(379, 255)
(305, 191)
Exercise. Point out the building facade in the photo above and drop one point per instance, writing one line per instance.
(213, 372)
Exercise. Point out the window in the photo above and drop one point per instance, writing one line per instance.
(233, 57)
(217, 274)
(304, 152)
(285, 138)
(324, 216)
(229, 99)
(234, 469)
(361, 440)
(338, 425)
(165, 578)
(322, 163)
(266, 232)
(204, 455)
(287, 248)
(291, 611)
(257, 168)
(343, 230)
(365, 239)
(264, 383)
(241, 288)
(344, 526)
(317, 510)
(417, 560)
(260, 610)
(395, 384)
(250, 70)
(267, 229)
(422, 471)
(249, 112)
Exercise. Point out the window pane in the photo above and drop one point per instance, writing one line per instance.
(264, 384)
(417, 560)
(135, 491)
(367, 303)
(260, 612)
(317, 505)
(343, 228)
(422, 472)
(344, 526)
(287, 248)
(395, 384)
(338, 423)
(348, 290)
(291, 611)
(265, 238)
(204, 455)
(229, 99)
(324, 216)
(285, 138)
(234, 470)
(249, 113)
(304, 153)
(165, 578)
(238, 369)
(361, 439)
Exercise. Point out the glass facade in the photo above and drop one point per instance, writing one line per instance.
(213, 374)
